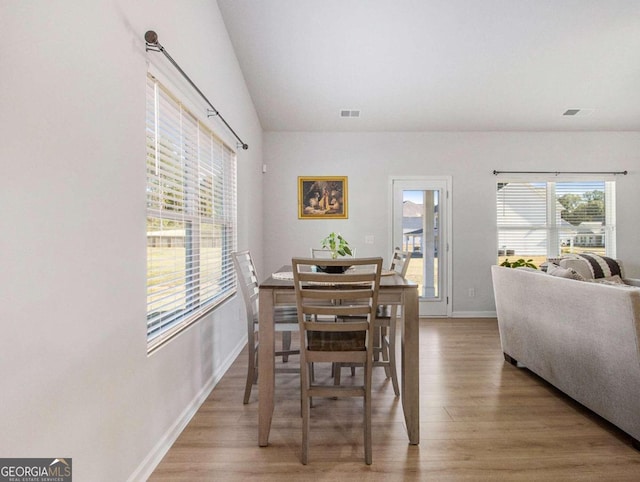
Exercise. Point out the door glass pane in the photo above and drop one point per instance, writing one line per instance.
(420, 236)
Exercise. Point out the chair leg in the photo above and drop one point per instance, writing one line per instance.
(286, 345)
(377, 342)
(252, 371)
(393, 328)
(305, 431)
(384, 348)
(336, 372)
(368, 451)
(306, 406)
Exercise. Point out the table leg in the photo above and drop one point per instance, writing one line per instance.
(411, 365)
(266, 366)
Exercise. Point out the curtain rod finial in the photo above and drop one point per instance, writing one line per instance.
(151, 37)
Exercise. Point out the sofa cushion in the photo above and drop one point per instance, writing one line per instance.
(612, 280)
(561, 272)
(592, 266)
(528, 268)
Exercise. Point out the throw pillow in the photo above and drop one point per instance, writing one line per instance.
(579, 265)
(592, 265)
(568, 273)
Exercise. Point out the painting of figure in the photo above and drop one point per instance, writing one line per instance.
(322, 197)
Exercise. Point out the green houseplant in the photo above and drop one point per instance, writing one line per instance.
(337, 245)
(519, 263)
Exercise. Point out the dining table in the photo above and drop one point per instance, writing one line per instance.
(278, 290)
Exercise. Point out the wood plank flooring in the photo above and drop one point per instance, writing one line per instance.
(481, 420)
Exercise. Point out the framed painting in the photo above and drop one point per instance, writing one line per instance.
(322, 197)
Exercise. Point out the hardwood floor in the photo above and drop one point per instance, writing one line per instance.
(481, 419)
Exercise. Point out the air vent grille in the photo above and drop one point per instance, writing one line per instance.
(578, 112)
(350, 113)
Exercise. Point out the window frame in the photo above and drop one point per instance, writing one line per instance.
(191, 184)
(551, 227)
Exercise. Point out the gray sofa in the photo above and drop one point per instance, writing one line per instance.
(580, 336)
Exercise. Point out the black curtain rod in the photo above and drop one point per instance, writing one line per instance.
(152, 44)
(624, 173)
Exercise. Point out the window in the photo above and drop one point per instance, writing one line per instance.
(191, 216)
(547, 219)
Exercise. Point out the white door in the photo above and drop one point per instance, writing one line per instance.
(421, 224)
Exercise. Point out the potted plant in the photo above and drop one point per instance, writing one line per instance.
(519, 263)
(337, 246)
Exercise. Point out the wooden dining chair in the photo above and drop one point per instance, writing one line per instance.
(335, 314)
(320, 253)
(285, 320)
(386, 325)
(326, 253)
(385, 330)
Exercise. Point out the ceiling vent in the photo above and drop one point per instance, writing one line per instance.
(578, 112)
(349, 113)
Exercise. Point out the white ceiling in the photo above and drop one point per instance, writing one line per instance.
(425, 65)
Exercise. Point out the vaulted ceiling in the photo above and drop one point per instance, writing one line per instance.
(430, 65)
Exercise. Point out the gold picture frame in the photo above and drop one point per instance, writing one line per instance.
(322, 197)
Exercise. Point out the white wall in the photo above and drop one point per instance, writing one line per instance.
(368, 159)
(76, 378)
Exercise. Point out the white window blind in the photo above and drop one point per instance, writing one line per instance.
(191, 216)
(549, 218)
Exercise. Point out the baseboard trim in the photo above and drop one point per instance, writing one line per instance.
(474, 314)
(151, 461)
